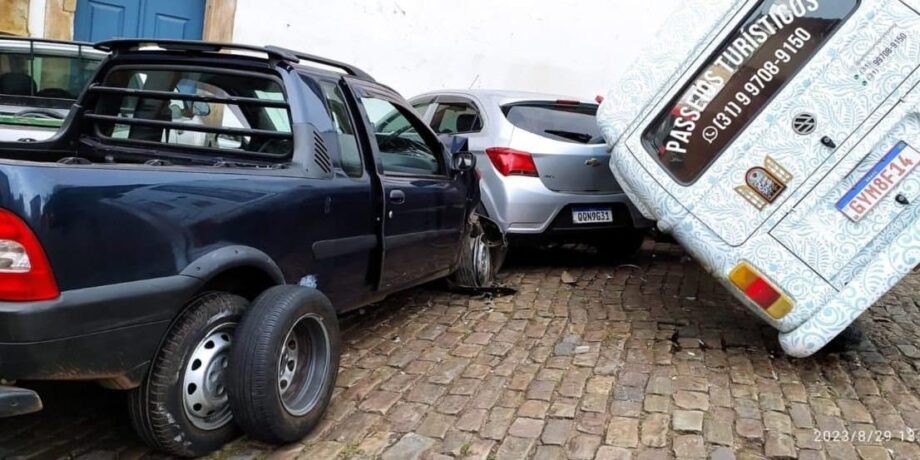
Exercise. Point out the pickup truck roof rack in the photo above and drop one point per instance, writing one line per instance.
(16, 38)
(274, 52)
(35, 41)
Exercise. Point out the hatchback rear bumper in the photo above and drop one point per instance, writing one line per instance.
(524, 206)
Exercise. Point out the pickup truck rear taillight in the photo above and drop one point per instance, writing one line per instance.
(510, 162)
(25, 274)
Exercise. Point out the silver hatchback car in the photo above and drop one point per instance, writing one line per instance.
(544, 166)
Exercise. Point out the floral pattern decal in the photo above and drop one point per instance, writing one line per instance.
(861, 88)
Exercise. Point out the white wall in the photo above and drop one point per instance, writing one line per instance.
(37, 18)
(571, 47)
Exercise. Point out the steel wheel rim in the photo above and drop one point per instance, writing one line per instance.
(482, 259)
(303, 364)
(204, 393)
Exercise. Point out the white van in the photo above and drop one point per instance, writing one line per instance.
(777, 141)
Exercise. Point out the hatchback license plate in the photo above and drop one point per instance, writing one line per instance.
(879, 182)
(592, 216)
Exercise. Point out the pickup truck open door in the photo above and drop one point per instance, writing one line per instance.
(424, 203)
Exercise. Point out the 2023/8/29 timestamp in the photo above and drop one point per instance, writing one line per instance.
(866, 436)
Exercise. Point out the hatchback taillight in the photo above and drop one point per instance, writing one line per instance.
(25, 274)
(510, 162)
(761, 291)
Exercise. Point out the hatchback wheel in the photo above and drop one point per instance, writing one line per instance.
(622, 244)
(480, 260)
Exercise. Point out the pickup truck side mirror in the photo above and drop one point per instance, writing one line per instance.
(463, 161)
(455, 144)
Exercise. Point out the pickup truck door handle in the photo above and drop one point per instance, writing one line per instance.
(397, 197)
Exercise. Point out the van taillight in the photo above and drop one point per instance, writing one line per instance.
(510, 162)
(25, 274)
(761, 291)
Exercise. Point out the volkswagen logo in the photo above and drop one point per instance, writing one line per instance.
(593, 163)
(804, 124)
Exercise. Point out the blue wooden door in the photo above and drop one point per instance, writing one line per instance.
(97, 20)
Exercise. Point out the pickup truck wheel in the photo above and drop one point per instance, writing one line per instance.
(477, 260)
(621, 244)
(181, 407)
(848, 340)
(284, 363)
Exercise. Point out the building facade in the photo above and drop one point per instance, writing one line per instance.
(93, 20)
(571, 47)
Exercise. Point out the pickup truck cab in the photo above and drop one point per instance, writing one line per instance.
(201, 195)
(777, 141)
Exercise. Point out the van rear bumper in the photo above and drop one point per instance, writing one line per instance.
(821, 312)
(878, 277)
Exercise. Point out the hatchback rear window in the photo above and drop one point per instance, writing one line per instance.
(772, 44)
(567, 122)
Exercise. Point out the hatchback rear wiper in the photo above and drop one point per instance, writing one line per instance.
(578, 137)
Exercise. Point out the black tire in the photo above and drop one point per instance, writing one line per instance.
(477, 260)
(848, 340)
(267, 408)
(159, 409)
(624, 243)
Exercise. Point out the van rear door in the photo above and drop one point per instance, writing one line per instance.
(787, 83)
(869, 198)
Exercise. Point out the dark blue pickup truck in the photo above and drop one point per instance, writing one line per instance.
(200, 220)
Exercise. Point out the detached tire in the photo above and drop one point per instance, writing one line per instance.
(283, 364)
(479, 260)
(181, 407)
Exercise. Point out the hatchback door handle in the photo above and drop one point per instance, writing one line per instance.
(397, 197)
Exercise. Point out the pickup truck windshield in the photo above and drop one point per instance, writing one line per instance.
(772, 44)
(213, 110)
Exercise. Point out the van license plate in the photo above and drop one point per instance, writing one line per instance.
(879, 182)
(592, 215)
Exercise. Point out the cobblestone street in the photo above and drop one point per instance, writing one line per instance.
(589, 359)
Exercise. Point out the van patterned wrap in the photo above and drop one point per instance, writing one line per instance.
(833, 268)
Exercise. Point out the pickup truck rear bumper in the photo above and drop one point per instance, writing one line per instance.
(90, 334)
(18, 401)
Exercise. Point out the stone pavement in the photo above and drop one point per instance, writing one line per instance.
(644, 361)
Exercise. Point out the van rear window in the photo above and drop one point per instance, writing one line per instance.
(561, 121)
(746, 72)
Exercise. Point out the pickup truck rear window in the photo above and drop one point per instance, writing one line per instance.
(194, 108)
(561, 121)
(772, 44)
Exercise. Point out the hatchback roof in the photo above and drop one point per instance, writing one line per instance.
(505, 95)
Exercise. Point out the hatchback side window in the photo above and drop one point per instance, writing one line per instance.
(349, 153)
(401, 139)
(456, 118)
(422, 106)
